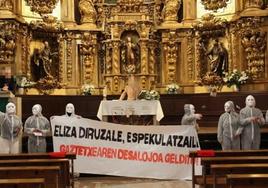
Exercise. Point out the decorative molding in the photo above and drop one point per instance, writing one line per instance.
(42, 6)
(129, 5)
(210, 26)
(254, 42)
(6, 4)
(214, 5)
(8, 37)
(88, 51)
(49, 24)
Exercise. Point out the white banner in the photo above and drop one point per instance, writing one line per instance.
(124, 150)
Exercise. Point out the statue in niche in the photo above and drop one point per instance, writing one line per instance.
(130, 56)
(218, 58)
(170, 10)
(87, 11)
(41, 62)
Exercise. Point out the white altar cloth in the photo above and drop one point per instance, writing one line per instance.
(124, 107)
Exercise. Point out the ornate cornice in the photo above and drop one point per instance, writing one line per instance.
(210, 26)
(129, 5)
(42, 6)
(6, 4)
(214, 5)
(49, 23)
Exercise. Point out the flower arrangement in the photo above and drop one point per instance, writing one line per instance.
(23, 82)
(149, 95)
(87, 89)
(235, 78)
(213, 82)
(172, 88)
(212, 79)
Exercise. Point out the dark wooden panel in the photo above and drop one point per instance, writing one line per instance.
(87, 106)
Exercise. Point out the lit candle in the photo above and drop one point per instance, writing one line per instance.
(104, 92)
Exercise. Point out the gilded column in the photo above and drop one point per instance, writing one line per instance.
(67, 12)
(88, 50)
(189, 11)
(6, 8)
(69, 56)
(170, 50)
(144, 56)
(115, 57)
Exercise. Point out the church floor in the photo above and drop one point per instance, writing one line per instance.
(124, 182)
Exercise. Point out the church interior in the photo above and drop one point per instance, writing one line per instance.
(200, 52)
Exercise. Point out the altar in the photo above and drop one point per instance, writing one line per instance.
(130, 108)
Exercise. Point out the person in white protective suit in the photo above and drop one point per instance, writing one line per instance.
(37, 128)
(190, 117)
(251, 118)
(10, 130)
(229, 128)
(70, 111)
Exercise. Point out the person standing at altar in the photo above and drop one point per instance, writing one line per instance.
(251, 118)
(37, 127)
(229, 128)
(190, 117)
(132, 90)
(10, 130)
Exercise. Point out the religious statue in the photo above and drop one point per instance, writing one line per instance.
(218, 58)
(87, 11)
(130, 56)
(190, 117)
(170, 10)
(41, 61)
(229, 128)
(37, 127)
(132, 90)
(10, 130)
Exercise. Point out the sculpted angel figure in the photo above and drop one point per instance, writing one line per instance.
(87, 11)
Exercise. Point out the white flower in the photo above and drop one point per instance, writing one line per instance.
(24, 82)
(87, 88)
(172, 88)
(149, 95)
(235, 78)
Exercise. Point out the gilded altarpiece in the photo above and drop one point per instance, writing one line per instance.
(104, 42)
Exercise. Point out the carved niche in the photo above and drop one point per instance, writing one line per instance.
(209, 31)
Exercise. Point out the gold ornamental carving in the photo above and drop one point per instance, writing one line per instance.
(254, 3)
(49, 24)
(6, 4)
(87, 11)
(190, 55)
(254, 42)
(170, 49)
(170, 10)
(214, 4)
(42, 6)
(129, 5)
(88, 51)
(210, 26)
(8, 36)
(70, 36)
(115, 58)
